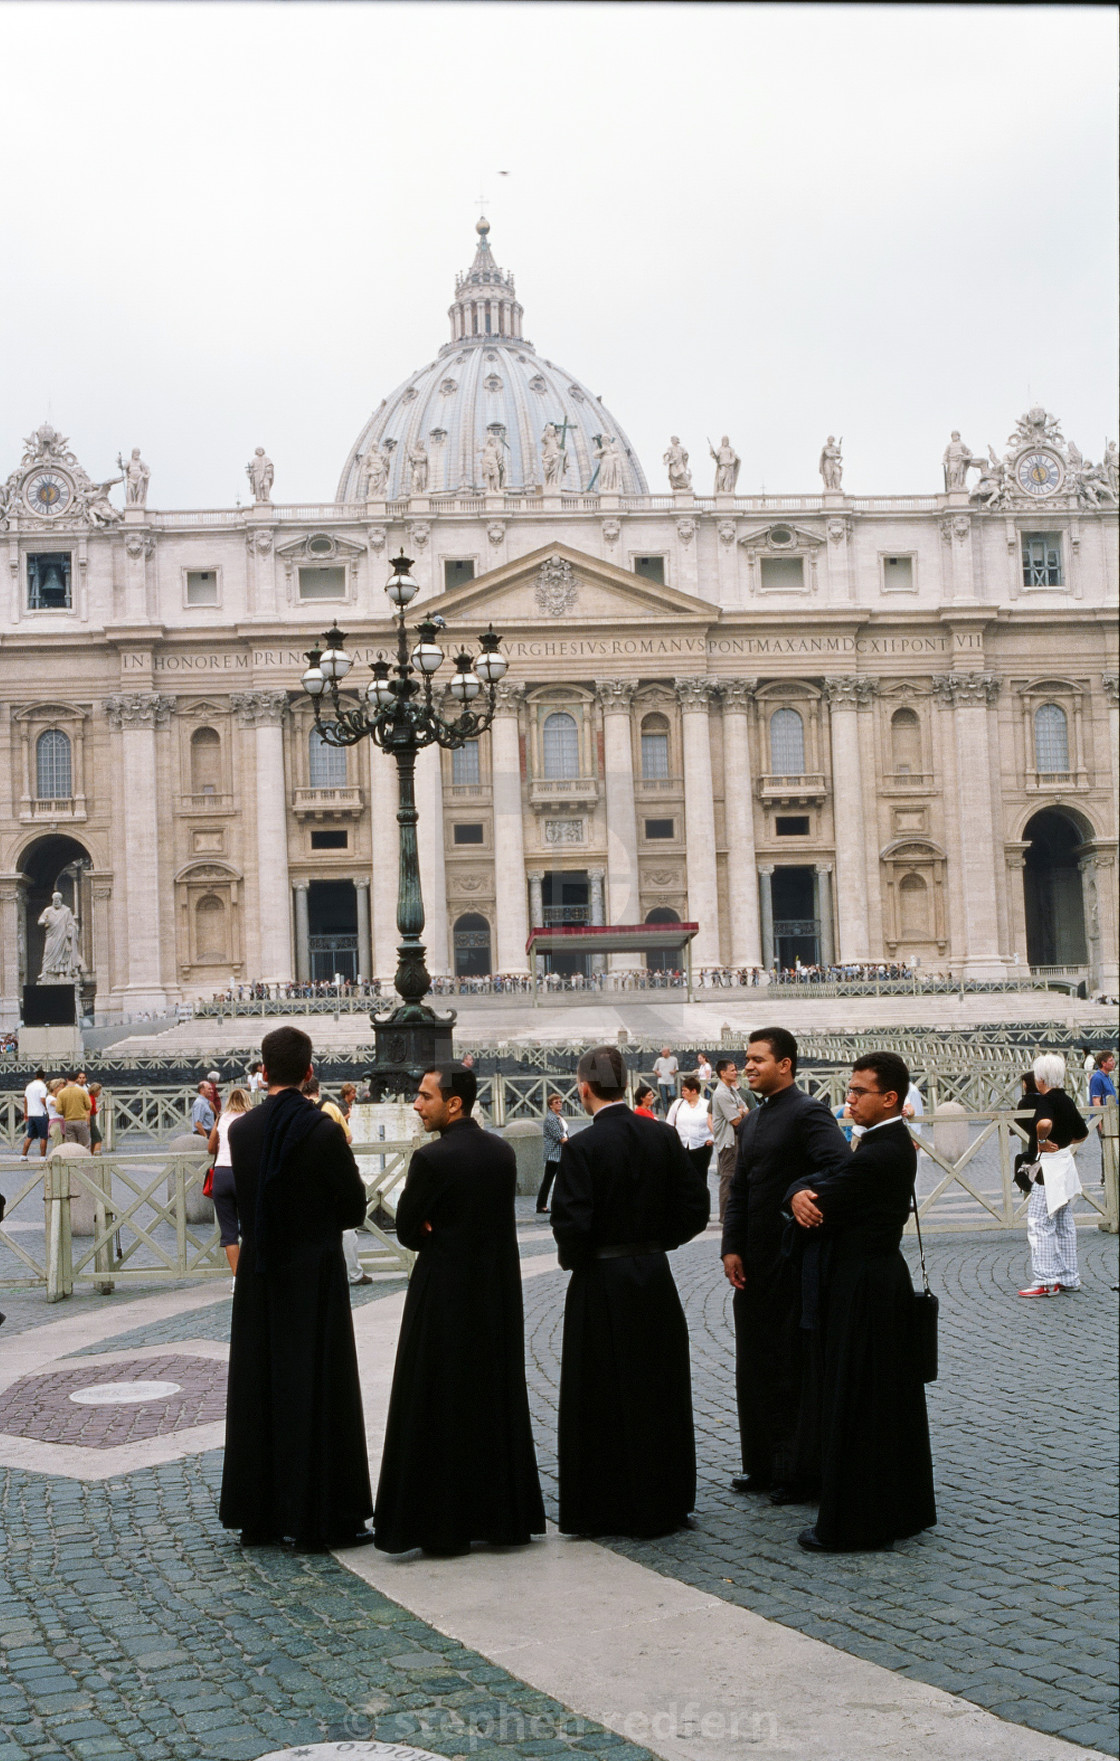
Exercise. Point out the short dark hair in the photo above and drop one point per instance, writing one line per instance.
(1103, 1058)
(39, 1074)
(724, 1064)
(286, 1054)
(603, 1069)
(456, 1079)
(691, 1082)
(310, 1087)
(889, 1071)
(781, 1042)
(643, 1089)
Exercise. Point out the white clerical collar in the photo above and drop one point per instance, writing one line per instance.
(895, 1119)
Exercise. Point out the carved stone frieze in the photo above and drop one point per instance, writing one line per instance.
(556, 587)
(726, 531)
(138, 709)
(418, 533)
(610, 530)
(258, 543)
(140, 544)
(686, 531)
(965, 688)
(259, 709)
(1111, 683)
(496, 531)
(564, 831)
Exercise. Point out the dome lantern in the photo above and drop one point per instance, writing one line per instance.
(485, 303)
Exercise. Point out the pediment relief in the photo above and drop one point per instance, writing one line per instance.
(788, 691)
(781, 538)
(208, 871)
(53, 712)
(560, 586)
(202, 708)
(1050, 687)
(319, 547)
(913, 850)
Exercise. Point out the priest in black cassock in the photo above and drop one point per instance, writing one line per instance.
(459, 1463)
(875, 1467)
(295, 1462)
(625, 1195)
(789, 1134)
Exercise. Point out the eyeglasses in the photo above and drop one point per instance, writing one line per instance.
(853, 1090)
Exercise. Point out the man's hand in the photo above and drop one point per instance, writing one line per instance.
(733, 1271)
(1046, 1146)
(804, 1210)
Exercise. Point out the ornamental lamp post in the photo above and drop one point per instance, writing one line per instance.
(398, 710)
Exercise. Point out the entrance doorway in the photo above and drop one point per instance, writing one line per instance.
(797, 930)
(332, 921)
(1052, 895)
(662, 959)
(57, 864)
(566, 902)
(472, 946)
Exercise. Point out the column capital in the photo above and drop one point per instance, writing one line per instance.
(766, 867)
(822, 867)
(1111, 683)
(138, 709)
(615, 695)
(965, 688)
(508, 698)
(850, 690)
(361, 882)
(301, 886)
(259, 709)
(536, 874)
(737, 694)
(694, 693)
(596, 874)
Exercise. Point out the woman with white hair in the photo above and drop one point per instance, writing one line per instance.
(1054, 1132)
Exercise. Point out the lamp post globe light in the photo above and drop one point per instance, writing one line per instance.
(398, 709)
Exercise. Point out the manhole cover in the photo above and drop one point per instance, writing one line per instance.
(359, 1752)
(124, 1393)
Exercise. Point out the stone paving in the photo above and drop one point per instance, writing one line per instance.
(1011, 1601)
(43, 1406)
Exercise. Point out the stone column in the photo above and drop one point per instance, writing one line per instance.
(303, 932)
(433, 872)
(823, 872)
(969, 695)
(265, 713)
(738, 796)
(845, 696)
(596, 877)
(361, 889)
(136, 715)
(536, 906)
(616, 696)
(386, 862)
(766, 902)
(694, 696)
(1111, 683)
(509, 834)
(11, 948)
(101, 887)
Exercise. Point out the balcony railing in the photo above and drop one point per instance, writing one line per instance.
(205, 801)
(658, 785)
(563, 916)
(907, 782)
(53, 807)
(327, 803)
(810, 786)
(555, 791)
(1056, 779)
(466, 791)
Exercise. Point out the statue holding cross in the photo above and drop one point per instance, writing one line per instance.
(554, 457)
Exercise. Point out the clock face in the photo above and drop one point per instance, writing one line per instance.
(1040, 473)
(48, 493)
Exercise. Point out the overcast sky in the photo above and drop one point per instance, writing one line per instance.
(228, 226)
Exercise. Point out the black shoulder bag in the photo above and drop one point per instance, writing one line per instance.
(926, 1306)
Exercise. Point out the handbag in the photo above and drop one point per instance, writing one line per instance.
(926, 1306)
(208, 1184)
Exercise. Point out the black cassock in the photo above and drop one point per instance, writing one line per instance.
(295, 1460)
(459, 1463)
(626, 1445)
(875, 1466)
(790, 1134)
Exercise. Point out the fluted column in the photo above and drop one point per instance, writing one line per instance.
(694, 696)
(509, 834)
(845, 697)
(616, 696)
(823, 872)
(738, 796)
(303, 932)
(136, 715)
(385, 864)
(433, 873)
(265, 713)
(968, 696)
(361, 888)
(766, 908)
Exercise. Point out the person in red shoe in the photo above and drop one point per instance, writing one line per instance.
(1052, 1136)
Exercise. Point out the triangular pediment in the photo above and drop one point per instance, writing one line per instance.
(558, 585)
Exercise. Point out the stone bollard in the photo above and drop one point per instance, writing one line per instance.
(81, 1198)
(199, 1208)
(951, 1135)
(526, 1138)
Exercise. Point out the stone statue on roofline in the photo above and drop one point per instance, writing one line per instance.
(727, 466)
(956, 461)
(831, 465)
(676, 459)
(260, 471)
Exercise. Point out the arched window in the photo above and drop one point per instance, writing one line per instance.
(210, 930)
(787, 743)
(206, 762)
(1051, 738)
(906, 743)
(326, 765)
(53, 772)
(913, 908)
(465, 763)
(471, 938)
(560, 743)
(655, 748)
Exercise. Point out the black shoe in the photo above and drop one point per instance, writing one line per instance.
(792, 1495)
(749, 1483)
(359, 1538)
(259, 1538)
(812, 1543)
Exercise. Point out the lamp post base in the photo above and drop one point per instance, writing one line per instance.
(409, 1041)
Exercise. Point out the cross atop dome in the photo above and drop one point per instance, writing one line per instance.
(485, 303)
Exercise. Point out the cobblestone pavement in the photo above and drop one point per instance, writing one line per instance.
(1011, 1600)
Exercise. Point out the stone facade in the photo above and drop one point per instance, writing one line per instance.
(826, 727)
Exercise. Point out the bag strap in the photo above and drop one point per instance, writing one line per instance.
(921, 1249)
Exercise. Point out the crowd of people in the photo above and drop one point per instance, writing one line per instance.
(64, 1109)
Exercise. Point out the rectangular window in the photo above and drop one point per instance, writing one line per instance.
(651, 568)
(330, 840)
(48, 581)
(795, 825)
(465, 764)
(322, 583)
(782, 574)
(457, 569)
(655, 757)
(467, 833)
(1042, 559)
(660, 828)
(202, 586)
(898, 574)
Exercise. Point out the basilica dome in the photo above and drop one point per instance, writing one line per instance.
(475, 417)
